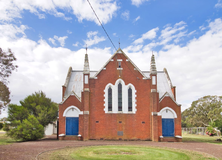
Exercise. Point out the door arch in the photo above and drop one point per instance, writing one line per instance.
(168, 116)
(71, 115)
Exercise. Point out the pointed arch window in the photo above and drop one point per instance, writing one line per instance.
(130, 102)
(119, 97)
(110, 99)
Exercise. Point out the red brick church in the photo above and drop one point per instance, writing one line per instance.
(119, 102)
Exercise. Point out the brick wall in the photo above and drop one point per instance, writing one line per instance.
(168, 102)
(72, 100)
(106, 126)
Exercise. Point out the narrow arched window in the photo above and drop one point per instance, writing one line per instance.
(119, 97)
(110, 99)
(130, 102)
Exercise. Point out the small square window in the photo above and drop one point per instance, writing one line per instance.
(97, 121)
(120, 121)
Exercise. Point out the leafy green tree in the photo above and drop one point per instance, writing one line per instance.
(204, 111)
(41, 107)
(29, 129)
(7, 65)
(20, 123)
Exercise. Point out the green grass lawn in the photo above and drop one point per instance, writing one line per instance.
(5, 140)
(122, 153)
(201, 138)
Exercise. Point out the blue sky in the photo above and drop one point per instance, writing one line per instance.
(48, 37)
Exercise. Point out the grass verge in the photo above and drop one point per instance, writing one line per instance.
(201, 138)
(5, 140)
(122, 153)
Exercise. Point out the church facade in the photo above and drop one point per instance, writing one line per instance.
(119, 102)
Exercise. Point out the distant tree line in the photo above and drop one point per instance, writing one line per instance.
(204, 112)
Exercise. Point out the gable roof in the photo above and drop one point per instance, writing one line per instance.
(74, 80)
(120, 51)
(168, 95)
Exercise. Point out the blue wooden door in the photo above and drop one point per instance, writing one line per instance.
(168, 127)
(72, 125)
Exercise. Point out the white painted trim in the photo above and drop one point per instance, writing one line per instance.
(71, 94)
(166, 94)
(171, 110)
(85, 112)
(124, 96)
(119, 68)
(119, 60)
(178, 136)
(86, 77)
(70, 107)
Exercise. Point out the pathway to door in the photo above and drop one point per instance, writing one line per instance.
(31, 150)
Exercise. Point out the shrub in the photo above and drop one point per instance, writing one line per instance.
(211, 131)
(28, 129)
(1, 126)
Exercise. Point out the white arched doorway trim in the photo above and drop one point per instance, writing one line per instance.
(72, 111)
(171, 113)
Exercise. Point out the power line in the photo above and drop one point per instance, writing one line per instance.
(101, 24)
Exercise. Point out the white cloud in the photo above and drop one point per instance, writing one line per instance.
(136, 19)
(11, 31)
(131, 36)
(42, 67)
(69, 32)
(61, 40)
(125, 15)
(219, 4)
(189, 34)
(114, 34)
(138, 2)
(105, 9)
(93, 38)
(194, 68)
(148, 35)
(170, 33)
(76, 44)
(202, 28)
(52, 41)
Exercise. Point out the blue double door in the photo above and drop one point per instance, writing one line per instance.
(72, 125)
(168, 127)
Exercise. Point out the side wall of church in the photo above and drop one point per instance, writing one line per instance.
(106, 125)
(168, 102)
(71, 101)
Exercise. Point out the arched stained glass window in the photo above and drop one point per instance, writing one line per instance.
(110, 99)
(119, 97)
(130, 102)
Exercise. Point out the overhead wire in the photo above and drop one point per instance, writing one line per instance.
(102, 25)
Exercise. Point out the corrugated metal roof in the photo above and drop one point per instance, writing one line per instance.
(75, 83)
(163, 84)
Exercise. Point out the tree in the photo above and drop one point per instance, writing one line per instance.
(204, 111)
(4, 95)
(7, 65)
(20, 123)
(29, 129)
